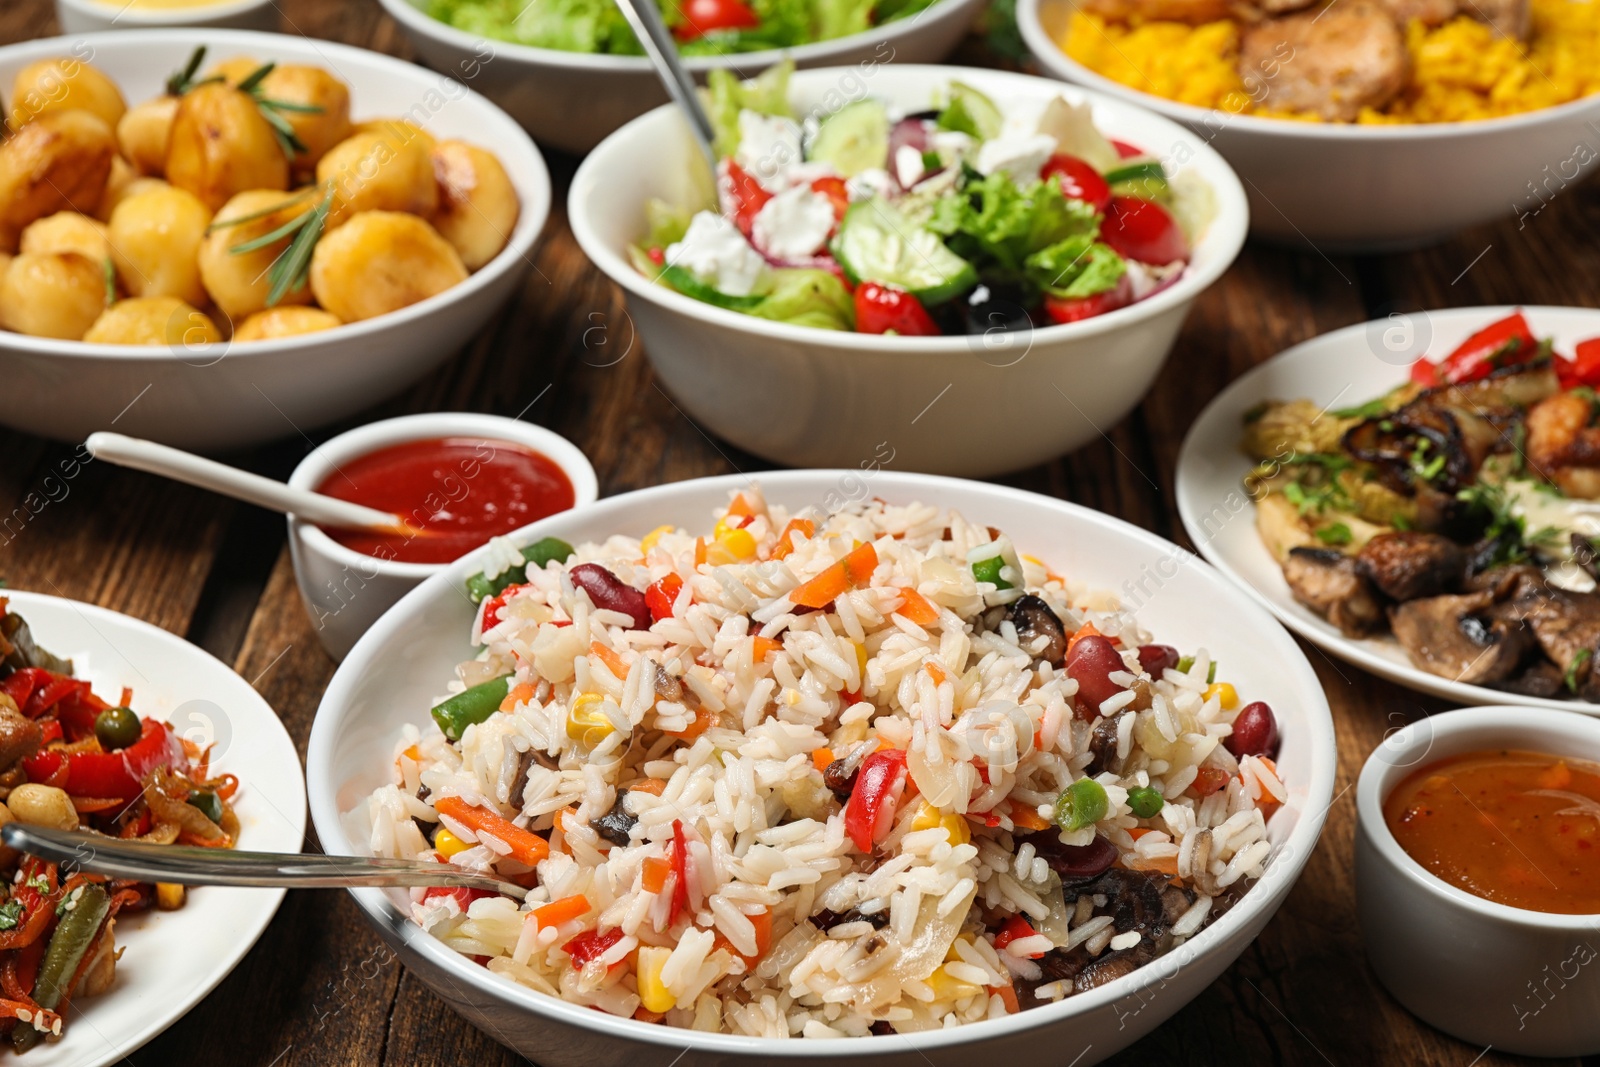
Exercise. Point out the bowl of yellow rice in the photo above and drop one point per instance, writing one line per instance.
(1485, 126)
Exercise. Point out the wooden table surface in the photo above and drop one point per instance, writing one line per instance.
(321, 989)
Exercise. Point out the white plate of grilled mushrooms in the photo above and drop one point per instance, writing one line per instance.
(1420, 496)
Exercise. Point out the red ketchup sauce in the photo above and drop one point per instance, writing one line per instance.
(460, 490)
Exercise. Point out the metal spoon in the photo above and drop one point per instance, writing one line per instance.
(188, 865)
(645, 18)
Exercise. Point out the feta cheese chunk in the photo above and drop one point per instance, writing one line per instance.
(793, 224)
(869, 183)
(768, 146)
(1019, 155)
(952, 145)
(714, 251)
(908, 168)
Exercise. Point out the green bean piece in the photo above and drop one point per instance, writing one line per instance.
(541, 552)
(471, 706)
(480, 587)
(1083, 803)
(74, 935)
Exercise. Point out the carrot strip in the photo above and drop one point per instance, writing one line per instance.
(526, 847)
(699, 552)
(740, 508)
(785, 543)
(1028, 818)
(560, 911)
(821, 757)
(520, 695)
(1008, 996)
(611, 658)
(935, 672)
(762, 647)
(1086, 630)
(917, 608)
(838, 579)
(702, 723)
(653, 786)
(653, 873)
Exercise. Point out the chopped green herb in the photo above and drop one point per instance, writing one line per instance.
(1370, 409)
(1575, 666)
(1336, 534)
(11, 914)
(40, 883)
(110, 271)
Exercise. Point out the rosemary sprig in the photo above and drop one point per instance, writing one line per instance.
(109, 269)
(271, 108)
(182, 81)
(291, 267)
(254, 216)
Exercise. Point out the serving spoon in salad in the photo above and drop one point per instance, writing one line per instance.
(138, 454)
(191, 865)
(645, 18)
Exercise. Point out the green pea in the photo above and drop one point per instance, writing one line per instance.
(1083, 803)
(117, 728)
(988, 570)
(1146, 802)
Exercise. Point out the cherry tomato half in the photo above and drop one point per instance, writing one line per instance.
(743, 196)
(1142, 230)
(701, 17)
(1062, 309)
(882, 308)
(1079, 181)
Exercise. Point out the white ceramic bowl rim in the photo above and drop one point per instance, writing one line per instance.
(130, 16)
(421, 22)
(1048, 53)
(363, 440)
(1299, 842)
(1223, 239)
(535, 201)
(1372, 791)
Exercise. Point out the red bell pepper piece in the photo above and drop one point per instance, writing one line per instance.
(106, 775)
(462, 895)
(869, 814)
(1503, 343)
(495, 604)
(678, 853)
(1014, 929)
(1425, 373)
(661, 595)
(1584, 366)
(590, 946)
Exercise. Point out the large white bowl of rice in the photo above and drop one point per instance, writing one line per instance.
(838, 766)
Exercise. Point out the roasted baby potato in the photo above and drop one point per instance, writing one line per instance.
(378, 171)
(381, 261)
(116, 194)
(61, 160)
(396, 129)
(238, 281)
(155, 243)
(144, 132)
(122, 175)
(153, 320)
(220, 145)
(52, 294)
(478, 205)
(318, 130)
(235, 69)
(279, 322)
(64, 84)
(68, 231)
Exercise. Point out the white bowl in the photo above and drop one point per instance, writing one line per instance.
(1522, 981)
(345, 591)
(813, 398)
(571, 100)
(92, 16)
(225, 396)
(174, 958)
(390, 677)
(1347, 188)
(1343, 367)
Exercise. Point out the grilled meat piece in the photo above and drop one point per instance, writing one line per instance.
(1462, 637)
(1333, 61)
(1566, 625)
(1407, 564)
(1331, 584)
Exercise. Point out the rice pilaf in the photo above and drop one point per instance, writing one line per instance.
(837, 781)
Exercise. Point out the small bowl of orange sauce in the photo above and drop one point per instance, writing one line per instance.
(457, 480)
(1478, 875)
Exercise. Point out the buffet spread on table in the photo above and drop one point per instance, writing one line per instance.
(868, 752)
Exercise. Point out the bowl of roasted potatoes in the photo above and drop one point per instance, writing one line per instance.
(217, 239)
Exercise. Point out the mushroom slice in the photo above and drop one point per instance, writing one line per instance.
(1457, 637)
(1330, 584)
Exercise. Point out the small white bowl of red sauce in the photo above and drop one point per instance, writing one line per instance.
(456, 478)
(1478, 875)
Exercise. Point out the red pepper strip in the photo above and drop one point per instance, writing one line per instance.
(679, 854)
(1015, 929)
(121, 774)
(1584, 366)
(1502, 343)
(463, 896)
(590, 946)
(869, 814)
(77, 712)
(1425, 373)
(19, 971)
(495, 604)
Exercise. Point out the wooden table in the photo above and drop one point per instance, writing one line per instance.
(321, 989)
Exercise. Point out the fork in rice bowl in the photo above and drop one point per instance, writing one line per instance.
(824, 775)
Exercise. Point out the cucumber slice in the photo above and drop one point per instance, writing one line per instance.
(1143, 178)
(971, 113)
(876, 243)
(854, 138)
(686, 283)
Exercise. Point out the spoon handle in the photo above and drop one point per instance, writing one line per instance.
(645, 18)
(241, 485)
(189, 865)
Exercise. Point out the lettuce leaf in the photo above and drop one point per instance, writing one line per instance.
(1076, 267)
(568, 25)
(725, 96)
(997, 225)
(805, 296)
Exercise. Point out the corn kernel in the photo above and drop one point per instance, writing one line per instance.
(648, 541)
(586, 723)
(861, 661)
(948, 988)
(742, 543)
(1225, 693)
(652, 991)
(955, 826)
(448, 844)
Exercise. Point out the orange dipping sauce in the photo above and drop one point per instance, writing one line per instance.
(460, 490)
(1517, 828)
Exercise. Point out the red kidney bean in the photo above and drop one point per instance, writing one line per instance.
(611, 593)
(1157, 658)
(1255, 732)
(1090, 663)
